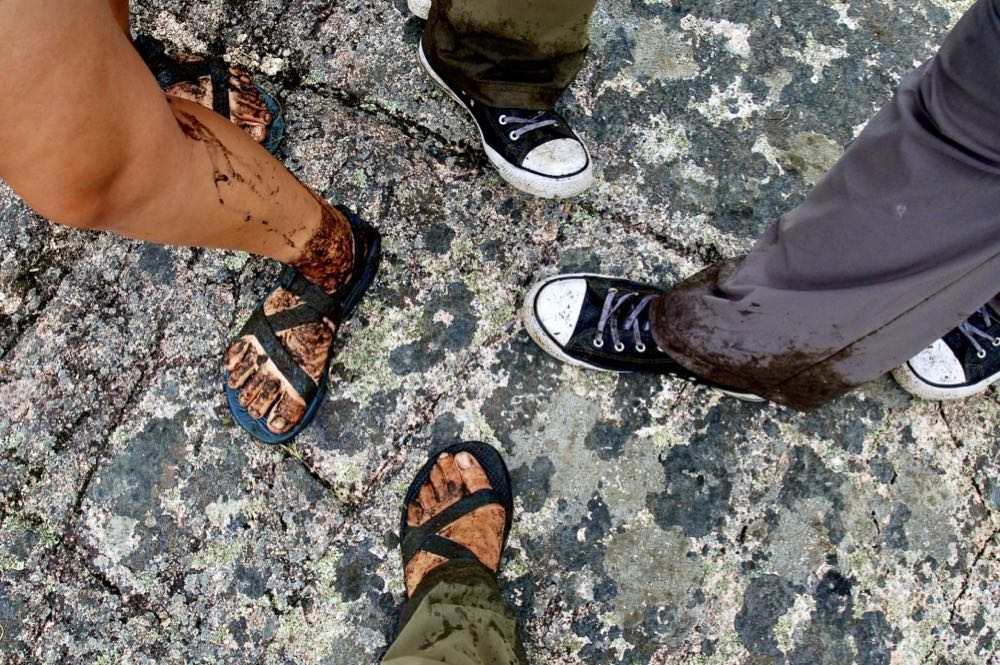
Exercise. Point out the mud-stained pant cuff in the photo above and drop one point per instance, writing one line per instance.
(793, 379)
(457, 616)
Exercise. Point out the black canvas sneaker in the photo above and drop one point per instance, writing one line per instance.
(962, 363)
(535, 151)
(599, 322)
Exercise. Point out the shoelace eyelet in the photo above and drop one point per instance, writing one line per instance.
(640, 347)
(613, 290)
(619, 347)
(981, 354)
(502, 120)
(996, 341)
(598, 342)
(514, 135)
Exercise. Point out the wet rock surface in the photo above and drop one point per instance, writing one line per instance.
(656, 522)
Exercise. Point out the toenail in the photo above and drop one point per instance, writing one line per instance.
(279, 423)
(464, 460)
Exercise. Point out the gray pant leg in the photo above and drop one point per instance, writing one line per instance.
(457, 616)
(894, 247)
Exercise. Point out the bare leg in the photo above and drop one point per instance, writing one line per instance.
(119, 9)
(90, 142)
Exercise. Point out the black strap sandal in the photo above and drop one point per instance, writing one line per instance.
(426, 537)
(316, 305)
(169, 72)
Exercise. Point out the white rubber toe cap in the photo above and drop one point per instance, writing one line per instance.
(420, 8)
(557, 158)
(557, 307)
(937, 364)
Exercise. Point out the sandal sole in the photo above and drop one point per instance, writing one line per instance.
(276, 130)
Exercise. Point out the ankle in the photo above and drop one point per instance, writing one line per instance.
(327, 259)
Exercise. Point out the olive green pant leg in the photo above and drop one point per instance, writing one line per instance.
(509, 53)
(457, 616)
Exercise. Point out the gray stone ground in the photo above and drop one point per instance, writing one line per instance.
(656, 522)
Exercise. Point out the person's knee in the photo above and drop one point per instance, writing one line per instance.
(90, 202)
(103, 191)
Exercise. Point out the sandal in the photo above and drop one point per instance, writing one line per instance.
(426, 537)
(316, 305)
(169, 71)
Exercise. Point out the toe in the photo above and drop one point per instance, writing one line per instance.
(452, 478)
(235, 353)
(473, 475)
(269, 393)
(415, 514)
(251, 389)
(438, 483)
(245, 368)
(428, 501)
(286, 413)
(255, 130)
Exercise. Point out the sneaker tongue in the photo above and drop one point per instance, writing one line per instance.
(590, 311)
(593, 306)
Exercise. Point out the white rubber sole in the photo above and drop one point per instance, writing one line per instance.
(913, 384)
(419, 8)
(554, 187)
(542, 339)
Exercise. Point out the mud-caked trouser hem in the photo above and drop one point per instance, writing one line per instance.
(894, 247)
(509, 53)
(457, 616)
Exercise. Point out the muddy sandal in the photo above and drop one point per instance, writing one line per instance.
(426, 537)
(316, 305)
(169, 71)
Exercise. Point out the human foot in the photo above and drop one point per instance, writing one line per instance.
(535, 151)
(599, 322)
(263, 388)
(456, 512)
(217, 86)
(277, 366)
(963, 363)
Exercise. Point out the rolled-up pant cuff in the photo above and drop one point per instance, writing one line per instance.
(457, 616)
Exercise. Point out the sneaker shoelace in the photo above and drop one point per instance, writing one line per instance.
(528, 124)
(613, 304)
(971, 332)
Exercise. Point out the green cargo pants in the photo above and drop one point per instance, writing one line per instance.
(457, 616)
(509, 53)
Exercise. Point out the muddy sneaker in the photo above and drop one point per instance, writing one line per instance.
(962, 363)
(535, 151)
(419, 8)
(602, 323)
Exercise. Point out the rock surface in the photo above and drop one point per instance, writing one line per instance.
(656, 522)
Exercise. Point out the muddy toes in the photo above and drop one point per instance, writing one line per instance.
(451, 478)
(269, 393)
(244, 367)
(286, 413)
